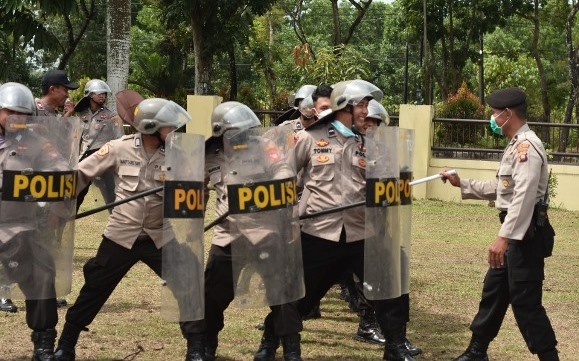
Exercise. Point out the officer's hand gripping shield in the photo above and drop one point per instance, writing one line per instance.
(382, 245)
(38, 206)
(405, 153)
(182, 295)
(266, 248)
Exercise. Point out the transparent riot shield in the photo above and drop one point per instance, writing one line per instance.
(38, 205)
(382, 245)
(263, 214)
(182, 295)
(405, 153)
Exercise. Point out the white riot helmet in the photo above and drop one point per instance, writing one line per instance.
(232, 118)
(350, 92)
(96, 86)
(17, 97)
(155, 113)
(377, 111)
(306, 107)
(303, 92)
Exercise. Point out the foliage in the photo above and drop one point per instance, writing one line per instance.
(332, 66)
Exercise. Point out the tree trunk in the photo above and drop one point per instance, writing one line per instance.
(118, 46)
(232, 73)
(546, 117)
(336, 19)
(202, 64)
(573, 61)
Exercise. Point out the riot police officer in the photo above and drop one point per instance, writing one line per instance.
(31, 271)
(55, 86)
(329, 153)
(135, 229)
(299, 117)
(100, 125)
(525, 238)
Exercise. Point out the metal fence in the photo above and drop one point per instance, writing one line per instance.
(473, 139)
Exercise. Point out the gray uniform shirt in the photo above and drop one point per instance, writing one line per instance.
(99, 128)
(335, 175)
(135, 172)
(521, 181)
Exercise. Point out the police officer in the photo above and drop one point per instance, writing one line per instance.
(234, 120)
(525, 238)
(329, 153)
(135, 229)
(41, 314)
(100, 125)
(55, 86)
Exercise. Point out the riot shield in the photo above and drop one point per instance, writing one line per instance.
(182, 296)
(382, 245)
(38, 206)
(405, 153)
(263, 215)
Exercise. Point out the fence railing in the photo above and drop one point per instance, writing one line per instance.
(473, 139)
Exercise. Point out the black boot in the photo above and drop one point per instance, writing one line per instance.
(291, 347)
(552, 355)
(412, 349)
(476, 350)
(368, 329)
(43, 345)
(6, 305)
(395, 348)
(269, 344)
(315, 313)
(195, 347)
(67, 342)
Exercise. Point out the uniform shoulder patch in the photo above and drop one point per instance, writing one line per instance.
(522, 150)
(103, 151)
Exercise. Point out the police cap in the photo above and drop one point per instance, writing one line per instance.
(57, 77)
(507, 98)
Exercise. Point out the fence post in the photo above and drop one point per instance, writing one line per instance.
(200, 108)
(419, 118)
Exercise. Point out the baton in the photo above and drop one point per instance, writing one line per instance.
(116, 203)
(429, 178)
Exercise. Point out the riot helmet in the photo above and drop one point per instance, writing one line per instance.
(306, 107)
(230, 119)
(303, 92)
(377, 111)
(17, 97)
(350, 92)
(96, 86)
(155, 113)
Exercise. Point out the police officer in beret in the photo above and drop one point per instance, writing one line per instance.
(525, 238)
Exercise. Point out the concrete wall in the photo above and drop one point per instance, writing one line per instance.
(419, 118)
(200, 108)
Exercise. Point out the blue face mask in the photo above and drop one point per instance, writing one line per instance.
(343, 129)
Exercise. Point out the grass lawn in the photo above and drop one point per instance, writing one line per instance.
(450, 244)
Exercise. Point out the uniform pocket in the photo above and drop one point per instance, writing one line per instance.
(506, 184)
(323, 167)
(129, 178)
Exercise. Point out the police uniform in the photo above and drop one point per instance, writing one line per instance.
(133, 233)
(334, 166)
(219, 282)
(43, 110)
(99, 128)
(521, 181)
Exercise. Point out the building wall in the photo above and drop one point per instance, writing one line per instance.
(419, 118)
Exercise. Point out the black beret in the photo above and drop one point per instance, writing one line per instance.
(507, 98)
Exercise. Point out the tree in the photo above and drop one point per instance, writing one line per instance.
(573, 61)
(118, 45)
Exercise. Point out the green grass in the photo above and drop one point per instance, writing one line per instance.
(450, 242)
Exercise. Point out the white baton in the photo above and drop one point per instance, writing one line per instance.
(429, 178)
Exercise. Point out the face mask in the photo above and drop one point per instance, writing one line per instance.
(343, 129)
(498, 130)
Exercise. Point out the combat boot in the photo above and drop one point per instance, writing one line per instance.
(368, 329)
(6, 305)
(269, 344)
(43, 345)
(195, 347)
(291, 347)
(412, 349)
(67, 342)
(395, 348)
(476, 350)
(552, 355)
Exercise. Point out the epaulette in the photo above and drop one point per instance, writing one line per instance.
(127, 137)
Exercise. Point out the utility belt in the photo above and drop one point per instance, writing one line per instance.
(540, 227)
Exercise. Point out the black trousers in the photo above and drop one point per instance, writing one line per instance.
(520, 284)
(219, 292)
(326, 261)
(103, 273)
